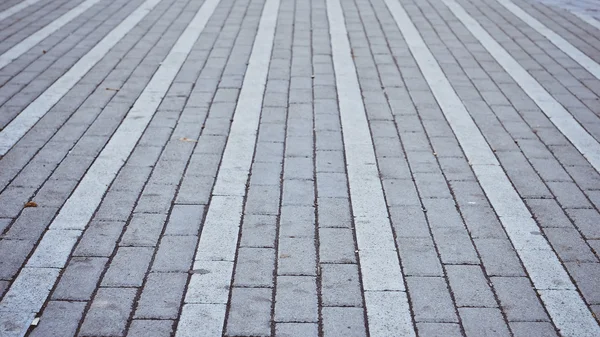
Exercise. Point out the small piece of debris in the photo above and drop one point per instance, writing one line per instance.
(43, 51)
(284, 256)
(185, 139)
(35, 321)
(31, 204)
(112, 89)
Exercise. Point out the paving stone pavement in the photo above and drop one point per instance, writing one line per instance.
(300, 168)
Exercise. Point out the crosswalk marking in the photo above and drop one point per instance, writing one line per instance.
(19, 126)
(208, 294)
(35, 38)
(16, 8)
(73, 217)
(385, 297)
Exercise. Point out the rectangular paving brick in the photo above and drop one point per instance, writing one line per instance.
(161, 296)
(250, 312)
(109, 312)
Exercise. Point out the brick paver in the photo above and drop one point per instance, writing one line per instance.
(300, 168)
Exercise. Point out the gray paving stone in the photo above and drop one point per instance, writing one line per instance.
(250, 312)
(332, 185)
(298, 168)
(54, 192)
(483, 322)
(442, 213)
(297, 329)
(254, 267)
(419, 257)
(99, 239)
(116, 206)
(343, 322)
(4, 287)
(128, 267)
(340, 285)
(258, 230)
(518, 299)
(109, 312)
(533, 329)
(13, 199)
(336, 245)
(296, 256)
(263, 199)
(499, 257)
(31, 224)
(150, 328)
(295, 146)
(586, 221)
(184, 220)
(14, 254)
(143, 230)
(334, 212)
(569, 245)
(548, 213)
(470, 287)
(586, 276)
(330, 161)
(80, 279)
(400, 192)
(297, 222)
(175, 254)
(195, 190)
(268, 173)
(439, 329)
(568, 194)
(161, 296)
(409, 221)
(455, 246)
(430, 299)
(59, 319)
(296, 299)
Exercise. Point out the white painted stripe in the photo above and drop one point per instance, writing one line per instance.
(19, 126)
(35, 38)
(379, 263)
(216, 250)
(564, 45)
(53, 250)
(558, 115)
(16, 8)
(540, 261)
(587, 19)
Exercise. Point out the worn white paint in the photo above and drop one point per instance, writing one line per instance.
(53, 251)
(16, 8)
(19, 126)
(540, 261)
(558, 115)
(562, 44)
(386, 302)
(204, 307)
(35, 38)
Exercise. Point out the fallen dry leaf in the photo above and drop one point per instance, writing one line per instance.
(185, 139)
(31, 204)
